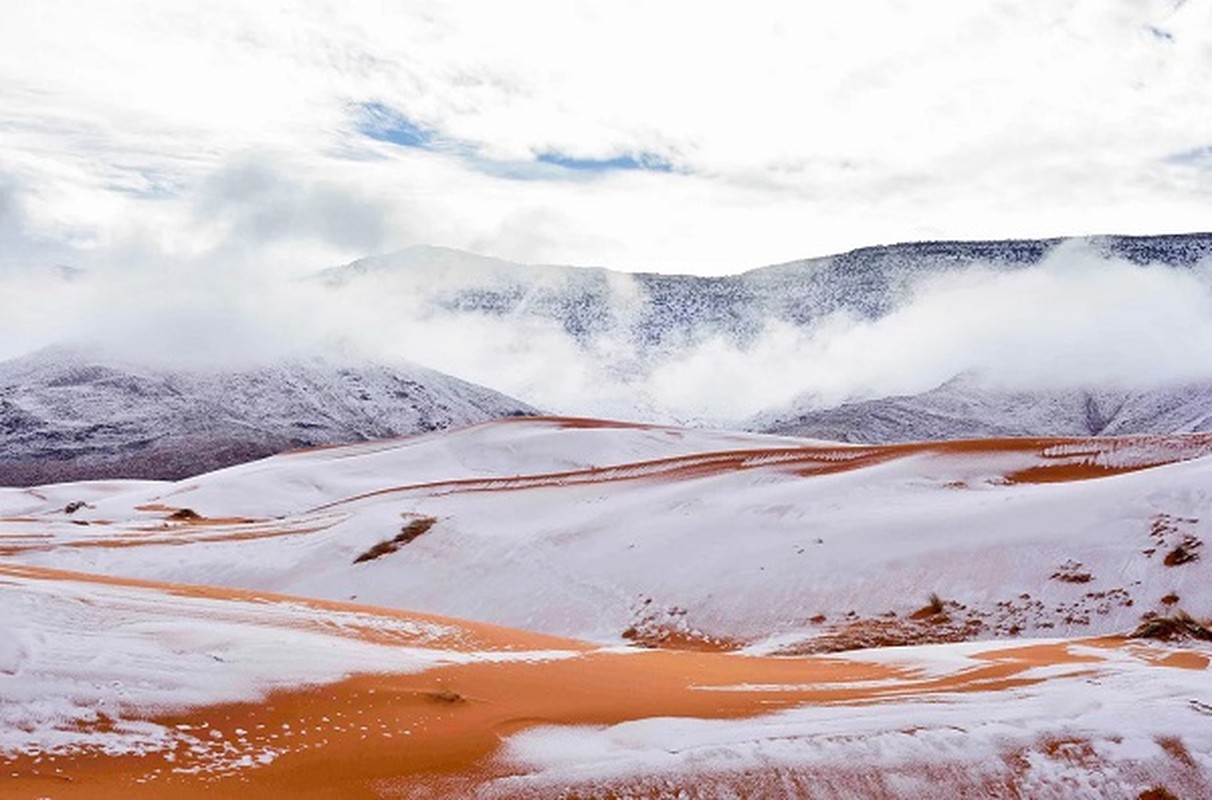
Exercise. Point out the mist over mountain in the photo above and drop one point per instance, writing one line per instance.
(658, 310)
(1051, 315)
(902, 319)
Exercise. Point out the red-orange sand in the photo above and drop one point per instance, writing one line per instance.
(371, 734)
(355, 737)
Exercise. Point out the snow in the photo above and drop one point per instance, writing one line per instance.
(74, 653)
(169, 421)
(973, 406)
(609, 526)
(1085, 732)
(714, 533)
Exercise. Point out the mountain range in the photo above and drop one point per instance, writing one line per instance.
(75, 415)
(967, 408)
(652, 310)
(71, 413)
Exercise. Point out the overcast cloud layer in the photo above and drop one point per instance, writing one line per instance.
(240, 139)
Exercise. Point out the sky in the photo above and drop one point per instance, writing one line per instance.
(229, 141)
(193, 163)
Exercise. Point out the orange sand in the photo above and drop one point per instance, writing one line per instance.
(352, 738)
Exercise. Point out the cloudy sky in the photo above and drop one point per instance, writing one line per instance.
(673, 136)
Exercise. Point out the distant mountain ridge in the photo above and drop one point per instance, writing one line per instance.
(70, 415)
(67, 416)
(964, 409)
(652, 310)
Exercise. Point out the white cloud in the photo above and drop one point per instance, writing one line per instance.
(1075, 319)
(792, 129)
(192, 158)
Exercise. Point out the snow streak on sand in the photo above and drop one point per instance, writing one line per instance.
(663, 535)
(85, 661)
(122, 690)
(1087, 721)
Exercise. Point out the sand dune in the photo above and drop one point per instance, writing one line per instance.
(435, 706)
(629, 533)
(197, 639)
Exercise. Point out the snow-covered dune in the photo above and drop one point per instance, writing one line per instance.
(116, 688)
(614, 531)
(270, 628)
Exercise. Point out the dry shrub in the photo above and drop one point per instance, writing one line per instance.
(407, 534)
(1180, 626)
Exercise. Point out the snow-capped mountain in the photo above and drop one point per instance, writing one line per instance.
(72, 415)
(582, 341)
(873, 322)
(660, 309)
(966, 408)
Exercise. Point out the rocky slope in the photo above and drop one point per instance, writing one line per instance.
(963, 408)
(71, 415)
(653, 310)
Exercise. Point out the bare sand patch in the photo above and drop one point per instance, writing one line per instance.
(350, 738)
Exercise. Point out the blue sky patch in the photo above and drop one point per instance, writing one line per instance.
(1200, 157)
(643, 161)
(385, 124)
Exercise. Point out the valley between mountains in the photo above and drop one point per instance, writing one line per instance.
(564, 607)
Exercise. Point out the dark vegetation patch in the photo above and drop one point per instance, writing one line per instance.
(1178, 751)
(1184, 552)
(1157, 793)
(1071, 572)
(407, 534)
(935, 610)
(1167, 533)
(446, 696)
(1177, 627)
(185, 514)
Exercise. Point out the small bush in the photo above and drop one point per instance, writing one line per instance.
(934, 610)
(1177, 627)
(407, 534)
(1183, 552)
(446, 696)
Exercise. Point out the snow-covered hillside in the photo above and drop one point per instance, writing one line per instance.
(966, 408)
(655, 311)
(648, 534)
(763, 346)
(871, 323)
(71, 415)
